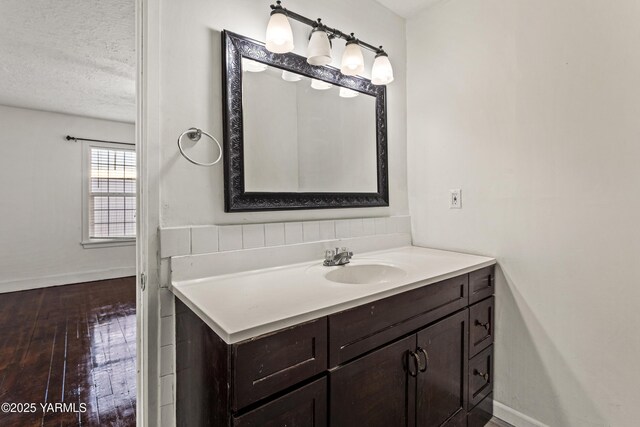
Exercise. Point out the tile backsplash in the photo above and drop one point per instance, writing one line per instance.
(176, 241)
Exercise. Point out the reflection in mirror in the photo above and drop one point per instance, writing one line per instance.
(306, 135)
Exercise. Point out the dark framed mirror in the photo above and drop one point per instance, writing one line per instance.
(298, 136)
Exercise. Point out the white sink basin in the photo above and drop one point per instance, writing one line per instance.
(365, 274)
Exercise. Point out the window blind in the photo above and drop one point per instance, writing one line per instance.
(112, 193)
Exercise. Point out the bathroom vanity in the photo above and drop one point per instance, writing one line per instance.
(411, 350)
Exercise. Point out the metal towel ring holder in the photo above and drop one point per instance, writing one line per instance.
(195, 134)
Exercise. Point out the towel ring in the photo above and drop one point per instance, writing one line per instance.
(195, 134)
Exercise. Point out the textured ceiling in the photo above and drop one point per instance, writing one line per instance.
(406, 8)
(69, 56)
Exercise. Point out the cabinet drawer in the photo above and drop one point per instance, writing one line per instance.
(481, 321)
(481, 284)
(273, 362)
(355, 331)
(480, 376)
(304, 407)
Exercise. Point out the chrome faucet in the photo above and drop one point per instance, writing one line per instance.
(337, 257)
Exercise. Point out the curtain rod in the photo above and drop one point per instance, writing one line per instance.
(73, 138)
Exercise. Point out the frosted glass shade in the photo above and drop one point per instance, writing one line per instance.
(348, 93)
(279, 35)
(352, 60)
(319, 49)
(320, 85)
(290, 77)
(253, 66)
(381, 73)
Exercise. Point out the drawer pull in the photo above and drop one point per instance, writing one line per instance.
(417, 364)
(484, 376)
(426, 359)
(487, 325)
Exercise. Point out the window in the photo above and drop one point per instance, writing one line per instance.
(110, 194)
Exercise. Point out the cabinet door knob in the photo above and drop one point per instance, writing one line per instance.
(416, 361)
(487, 325)
(484, 376)
(426, 359)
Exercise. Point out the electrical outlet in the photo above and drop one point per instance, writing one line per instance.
(455, 199)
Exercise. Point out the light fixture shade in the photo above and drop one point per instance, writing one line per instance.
(253, 66)
(320, 85)
(279, 35)
(348, 93)
(319, 49)
(352, 60)
(381, 73)
(290, 77)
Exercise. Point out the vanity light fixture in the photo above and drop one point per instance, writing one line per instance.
(279, 34)
(381, 73)
(347, 93)
(319, 48)
(320, 85)
(280, 40)
(352, 59)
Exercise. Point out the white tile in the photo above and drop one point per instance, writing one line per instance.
(230, 237)
(405, 224)
(293, 232)
(327, 230)
(167, 416)
(381, 225)
(167, 331)
(253, 236)
(393, 224)
(274, 234)
(166, 360)
(175, 241)
(311, 231)
(166, 303)
(166, 390)
(399, 224)
(204, 240)
(343, 229)
(369, 226)
(356, 228)
(165, 272)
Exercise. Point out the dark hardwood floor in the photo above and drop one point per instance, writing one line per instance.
(73, 344)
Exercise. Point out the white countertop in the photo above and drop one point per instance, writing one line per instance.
(244, 305)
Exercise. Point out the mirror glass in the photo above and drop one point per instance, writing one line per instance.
(306, 135)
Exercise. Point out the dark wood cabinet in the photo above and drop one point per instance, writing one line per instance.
(442, 387)
(375, 390)
(422, 358)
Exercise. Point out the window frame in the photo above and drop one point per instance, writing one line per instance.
(87, 242)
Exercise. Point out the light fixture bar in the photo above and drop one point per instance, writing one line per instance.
(332, 32)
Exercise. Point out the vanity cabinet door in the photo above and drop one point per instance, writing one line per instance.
(375, 390)
(441, 394)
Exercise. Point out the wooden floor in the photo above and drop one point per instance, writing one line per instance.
(72, 344)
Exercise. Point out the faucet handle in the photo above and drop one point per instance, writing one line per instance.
(328, 254)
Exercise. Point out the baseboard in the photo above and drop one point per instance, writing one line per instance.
(513, 417)
(65, 279)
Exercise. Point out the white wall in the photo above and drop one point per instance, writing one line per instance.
(190, 93)
(532, 108)
(41, 202)
(182, 88)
